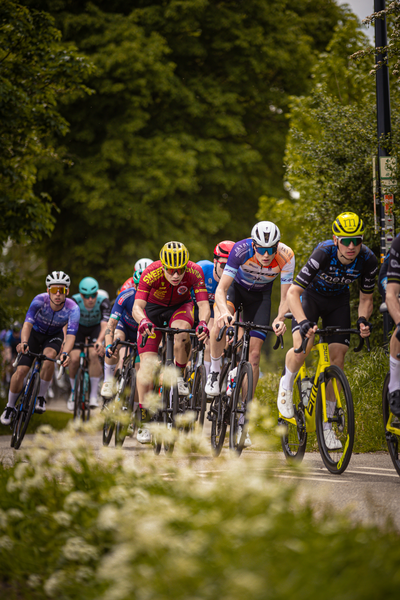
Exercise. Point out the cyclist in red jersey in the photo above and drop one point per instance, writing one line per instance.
(163, 295)
(140, 266)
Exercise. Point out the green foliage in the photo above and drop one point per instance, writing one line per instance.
(187, 128)
(55, 419)
(36, 70)
(77, 525)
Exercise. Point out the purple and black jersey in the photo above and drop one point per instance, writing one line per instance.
(122, 309)
(393, 264)
(48, 321)
(326, 275)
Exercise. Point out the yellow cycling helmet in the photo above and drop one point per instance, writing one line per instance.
(174, 255)
(348, 224)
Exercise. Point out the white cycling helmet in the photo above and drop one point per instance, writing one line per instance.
(58, 278)
(142, 264)
(265, 234)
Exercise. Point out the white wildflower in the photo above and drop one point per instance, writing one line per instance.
(3, 519)
(33, 581)
(54, 583)
(6, 543)
(108, 517)
(42, 510)
(76, 500)
(77, 549)
(62, 518)
(14, 514)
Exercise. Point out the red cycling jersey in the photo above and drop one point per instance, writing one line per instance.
(129, 283)
(154, 288)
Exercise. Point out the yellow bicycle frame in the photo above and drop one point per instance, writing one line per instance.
(319, 380)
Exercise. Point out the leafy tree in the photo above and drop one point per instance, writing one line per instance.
(37, 71)
(187, 128)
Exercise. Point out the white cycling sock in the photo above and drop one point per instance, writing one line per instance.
(94, 386)
(72, 382)
(109, 371)
(330, 410)
(207, 364)
(394, 381)
(216, 364)
(44, 386)
(288, 379)
(12, 398)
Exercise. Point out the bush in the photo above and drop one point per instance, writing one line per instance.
(76, 524)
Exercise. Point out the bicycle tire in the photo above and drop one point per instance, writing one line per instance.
(241, 402)
(25, 412)
(336, 461)
(79, 398)
(199, 398)
(121, 429)
(109, 424)
(169, 416)
(294, 441)
(218, 411)
(392, 439)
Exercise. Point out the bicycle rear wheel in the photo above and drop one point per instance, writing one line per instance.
(170, 414)
(199, 399)
(341, 420)
(81, 396)
(294, 441)
(121, 429)
(24, 411)
(242, 397)
(391, 424)
(219, 413)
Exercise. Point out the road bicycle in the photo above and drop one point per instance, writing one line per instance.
(171, 402)
(82, 384)
(391, 425)
(124, 399)
(231, 406)
(26, 402)
(196, 378)
(324, 399)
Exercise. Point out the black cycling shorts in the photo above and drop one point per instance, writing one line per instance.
(334, 310)
(38, 342)
(256, 305)
(84, 332)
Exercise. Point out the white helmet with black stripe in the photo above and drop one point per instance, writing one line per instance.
(58, 278)
(265, 234)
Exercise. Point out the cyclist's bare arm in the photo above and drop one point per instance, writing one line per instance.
(365, 308)
(295, 306)
(25, 333)
(138, 313)
(220, 299)
(279, 323)
(392, 301)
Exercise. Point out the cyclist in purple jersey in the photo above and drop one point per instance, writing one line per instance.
(393, 305)
(321, 289)
(42, 332)
(252, 267)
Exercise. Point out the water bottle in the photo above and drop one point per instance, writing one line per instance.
(306, 386)
(231, 381)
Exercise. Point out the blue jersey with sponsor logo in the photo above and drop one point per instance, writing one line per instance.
(244, 267)
(325, 274)
(46, 320)
(122, 309)
(211, 283)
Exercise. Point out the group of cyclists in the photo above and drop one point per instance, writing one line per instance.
(178, 292)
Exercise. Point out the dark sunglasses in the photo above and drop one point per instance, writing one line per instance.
(173, 271)
(347, 241)
(221, 264)
(261, 250)
(58, 288)
(87, 296)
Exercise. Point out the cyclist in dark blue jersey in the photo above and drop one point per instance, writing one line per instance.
(95, 309)
(43, 332)
(321, 289)
(393, 305)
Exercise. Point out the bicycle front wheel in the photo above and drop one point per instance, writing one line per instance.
(199, 400)
(81, 396)
(24, 411)
(242, 396)
(294, 440)
(391, 424)
(336, 440)
(122, 429)
(219, 413)
(170, 410)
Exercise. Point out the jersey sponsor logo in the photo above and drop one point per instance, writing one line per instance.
(152, 276)
(299, 278)
(314, 263)
(125, 296)
(160, 294)
(393, 263)
(183, 289)
(241, 249)
(333, 279)
(210, 280)
(306, 271)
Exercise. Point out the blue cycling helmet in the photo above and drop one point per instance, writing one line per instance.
(88, 285)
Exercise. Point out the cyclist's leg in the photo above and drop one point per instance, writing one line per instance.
(394, 381)
(217, 348)
(16, 385)
(51, 347)
(74, 364)
(110, 364)
(256, 309)
(182, 318)
(95, 367)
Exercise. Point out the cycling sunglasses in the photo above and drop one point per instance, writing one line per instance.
(173, 271)
(87, 296)
(261, 250)
(58, 288)
(221, 264)
(347, 241)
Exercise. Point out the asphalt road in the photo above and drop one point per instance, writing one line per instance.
(369, 489)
